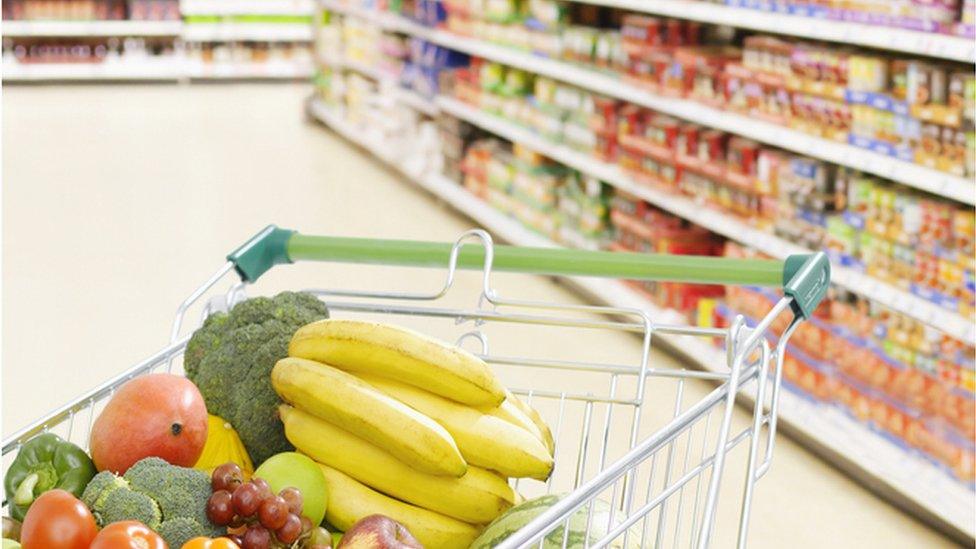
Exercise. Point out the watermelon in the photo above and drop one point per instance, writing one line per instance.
(522, 514)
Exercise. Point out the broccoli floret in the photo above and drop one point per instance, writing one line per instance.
(154, 493)
(180, 530)
(99, 487)
(125, 504)
(230, 359)
(179, 491)
(140, 467)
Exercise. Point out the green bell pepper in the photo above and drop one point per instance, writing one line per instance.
(44, 463)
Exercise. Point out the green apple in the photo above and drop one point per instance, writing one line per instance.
(10, 544)
(291, 469)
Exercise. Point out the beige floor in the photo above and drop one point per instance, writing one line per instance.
(119, 200)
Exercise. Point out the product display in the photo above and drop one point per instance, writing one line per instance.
(91, 50)
(910, 109)
(950, 17)
(926, 250)
(91, 10)
(154, 40)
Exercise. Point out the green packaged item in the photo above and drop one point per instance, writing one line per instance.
(516, 83)
(503, 11)
(44, 463)
(492, 77)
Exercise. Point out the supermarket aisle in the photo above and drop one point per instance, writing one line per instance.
(119, 200)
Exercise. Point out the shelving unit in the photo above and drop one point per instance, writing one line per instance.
(270, 70)
(715, 221)
(91, 28)
(909, 480)
(257, 32)
(247, 7)
(226, 26)
(871, 36)
(407, 97)
(155, 70)
(913, 175)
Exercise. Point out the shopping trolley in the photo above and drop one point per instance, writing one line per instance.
(632, 478)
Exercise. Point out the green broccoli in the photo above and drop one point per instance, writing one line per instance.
(180, 530)
(179, 491)
(155, 493)
(129, 505)
(230, 359)
(100, 486)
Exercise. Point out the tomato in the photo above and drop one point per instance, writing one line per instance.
(207, 543)
(128, 534)
(58, 520)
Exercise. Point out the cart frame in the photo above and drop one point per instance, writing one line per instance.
(754, 359)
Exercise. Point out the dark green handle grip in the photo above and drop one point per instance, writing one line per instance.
(804, 277)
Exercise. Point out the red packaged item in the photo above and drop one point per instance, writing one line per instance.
(641, 30)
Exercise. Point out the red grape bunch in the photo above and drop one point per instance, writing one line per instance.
(262, 519)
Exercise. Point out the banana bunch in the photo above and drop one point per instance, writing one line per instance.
(406, 426)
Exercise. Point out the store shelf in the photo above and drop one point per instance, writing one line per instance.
(872, 36)
(359, 67)
(119, 71)
(270, 70)
(718, 222)
(909, 479)
(247, 7)
(913, 175)
(257, 32)
(405, 96)
(415, 101)
(13, 29)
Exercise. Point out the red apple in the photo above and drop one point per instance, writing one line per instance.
(160, 415)
(378, 532)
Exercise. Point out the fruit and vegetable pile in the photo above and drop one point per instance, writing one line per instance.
(364, 435)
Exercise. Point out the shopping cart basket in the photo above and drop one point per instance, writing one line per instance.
(640, 476)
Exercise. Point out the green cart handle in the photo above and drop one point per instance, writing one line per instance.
(804, 277)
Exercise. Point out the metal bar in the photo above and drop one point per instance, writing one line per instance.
(698, 481)
(555, 443)
(757, 415)
(774, 404)
(584, 444)
(494, 316)
(181, 310)
(681, 491)
(614, 369)
(576, 396)
(662, 516)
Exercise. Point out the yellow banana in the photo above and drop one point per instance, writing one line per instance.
(350, 501)
(399, 354)
(478, 497)
(511, 413)
(484, 440)
(534, 416)
(348, 402)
